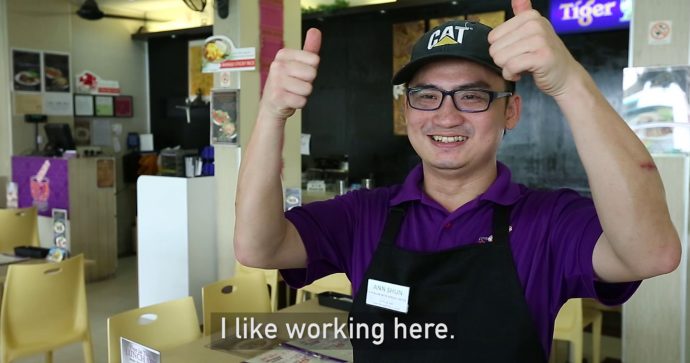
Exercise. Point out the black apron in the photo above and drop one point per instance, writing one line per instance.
(474, 290)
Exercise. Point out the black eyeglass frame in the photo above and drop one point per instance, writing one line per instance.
(493, 95)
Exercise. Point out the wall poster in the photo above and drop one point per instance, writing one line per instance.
(26, 70)
(225, 116)
(404, 36)
(200, 83)
(42, 181)
(56, 75)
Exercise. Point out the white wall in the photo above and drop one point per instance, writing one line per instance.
(5, 114)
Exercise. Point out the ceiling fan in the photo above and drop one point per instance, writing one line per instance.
(89, 10)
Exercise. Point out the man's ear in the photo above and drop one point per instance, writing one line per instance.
(513, 109)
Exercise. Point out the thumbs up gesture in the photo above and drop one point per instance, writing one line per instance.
(290, 79)
(528, 43)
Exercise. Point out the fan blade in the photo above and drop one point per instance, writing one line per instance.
(127, 17)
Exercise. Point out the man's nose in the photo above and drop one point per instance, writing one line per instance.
(448, 115)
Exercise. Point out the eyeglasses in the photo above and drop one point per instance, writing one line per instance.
(431, 98)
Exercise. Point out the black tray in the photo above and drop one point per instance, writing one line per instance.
(335, 300)
(31, 251)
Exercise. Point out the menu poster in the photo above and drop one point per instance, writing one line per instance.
(56, 72)
(26, 70)
(225, 105)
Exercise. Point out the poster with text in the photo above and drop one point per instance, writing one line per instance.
(26, 70)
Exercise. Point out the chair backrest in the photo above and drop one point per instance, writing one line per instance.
(43, 305)
(335, 282)
(158, 326)
(18, 227)
(242, 293)
(272, 278)
(569, 318)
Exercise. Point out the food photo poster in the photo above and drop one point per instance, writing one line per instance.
(56, 72)
(26, 70)
(225, 116)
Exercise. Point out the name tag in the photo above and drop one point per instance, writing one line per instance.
(388, 296)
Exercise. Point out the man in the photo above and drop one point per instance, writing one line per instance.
(458, 237)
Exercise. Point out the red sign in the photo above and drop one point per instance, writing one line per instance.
(239, 63)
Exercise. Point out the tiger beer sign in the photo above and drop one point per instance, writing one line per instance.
(575, 16)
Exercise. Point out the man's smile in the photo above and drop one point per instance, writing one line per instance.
(449, 139)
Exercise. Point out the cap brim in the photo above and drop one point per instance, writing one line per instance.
(405, 73)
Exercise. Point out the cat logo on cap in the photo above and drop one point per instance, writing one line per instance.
(449, 35)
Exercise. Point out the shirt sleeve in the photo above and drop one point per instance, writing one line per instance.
(574, 233)
(326, 229)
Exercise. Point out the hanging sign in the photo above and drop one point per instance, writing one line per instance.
(89, 82)
(220, 54)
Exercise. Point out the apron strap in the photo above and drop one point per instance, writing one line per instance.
(393, 223)
(501, 223)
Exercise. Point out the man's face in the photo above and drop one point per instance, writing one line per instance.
(449, 140)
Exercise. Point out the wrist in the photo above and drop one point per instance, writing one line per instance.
(270, 119)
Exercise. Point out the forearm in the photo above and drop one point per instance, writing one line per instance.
(263, 237)
(260, 225)
(626, 187)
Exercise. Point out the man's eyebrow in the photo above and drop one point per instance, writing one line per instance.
(471, 85)
(475, 85)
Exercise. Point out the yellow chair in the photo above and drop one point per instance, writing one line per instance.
(272, 280)
(44, 308)
(243, 293)
(18, 227)
(160, 326)
(570, 322)
(336, 282)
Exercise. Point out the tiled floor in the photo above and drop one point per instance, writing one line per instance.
(106, 298)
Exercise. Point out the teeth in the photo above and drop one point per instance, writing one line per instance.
(448, 139)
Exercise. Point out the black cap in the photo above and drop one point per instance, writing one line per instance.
(454, 39)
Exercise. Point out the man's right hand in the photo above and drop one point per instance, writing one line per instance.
(290, 79)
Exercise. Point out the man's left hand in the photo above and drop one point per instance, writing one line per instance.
(528, 43)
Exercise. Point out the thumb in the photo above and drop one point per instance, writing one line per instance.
(520, 6)
(312, 42)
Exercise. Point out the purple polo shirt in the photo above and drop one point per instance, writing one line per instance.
(552, 238)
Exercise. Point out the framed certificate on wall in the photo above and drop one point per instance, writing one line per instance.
(123, 106)
(83, 105)
(104, 106)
